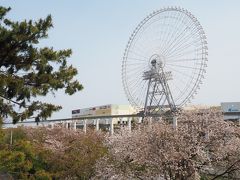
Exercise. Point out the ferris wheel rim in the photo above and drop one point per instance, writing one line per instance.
(201, 73)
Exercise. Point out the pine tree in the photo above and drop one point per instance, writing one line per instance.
(28, 72)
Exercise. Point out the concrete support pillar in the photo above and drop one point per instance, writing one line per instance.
(121, 122)
(140, 120)
(174, 122)
(66, 125)
(85, 126)
(129, 124)
(111, 127)
(51, 125)
(97, 124)
(150, 120)
(74, 124)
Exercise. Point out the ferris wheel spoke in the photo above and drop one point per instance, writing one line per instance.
(181, 45)
(182, 37)
(186, 75)
(189, 38)
(132, 77)
(136, 71)
(185, 83)
(135, 84)
(166, 37)
(135, 64)
(178, 36)
(135, 94)
(182, 60)
(169, 46)
(188, 67)
(141, 45)
(184, 53)
(147, 46)
(184, 44)
(180, 90)
(142, 93)
(176, 23)
(163, 35)
(180, 80)
(177, 27)
(133, 81)
(137, 48)
(137, 59)
(137, 54)
(190, 91)
(137, 67)
(135, 89)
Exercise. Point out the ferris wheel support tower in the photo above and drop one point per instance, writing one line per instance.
(156, 77)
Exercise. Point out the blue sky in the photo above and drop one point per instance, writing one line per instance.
(98, 31)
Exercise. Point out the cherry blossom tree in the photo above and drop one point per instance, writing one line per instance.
(203, 146)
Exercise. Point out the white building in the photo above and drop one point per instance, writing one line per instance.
(231, 110)
(105, 110)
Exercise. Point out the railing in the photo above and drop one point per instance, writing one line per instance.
(82, 118)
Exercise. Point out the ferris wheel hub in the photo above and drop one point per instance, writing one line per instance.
(157, 61)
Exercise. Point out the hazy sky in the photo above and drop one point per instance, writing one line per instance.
(98, 31)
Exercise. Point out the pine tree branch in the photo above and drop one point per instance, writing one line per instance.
(15, 102)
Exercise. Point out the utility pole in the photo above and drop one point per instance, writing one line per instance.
(11, 137)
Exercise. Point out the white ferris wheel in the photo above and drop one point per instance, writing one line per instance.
(164, 61)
